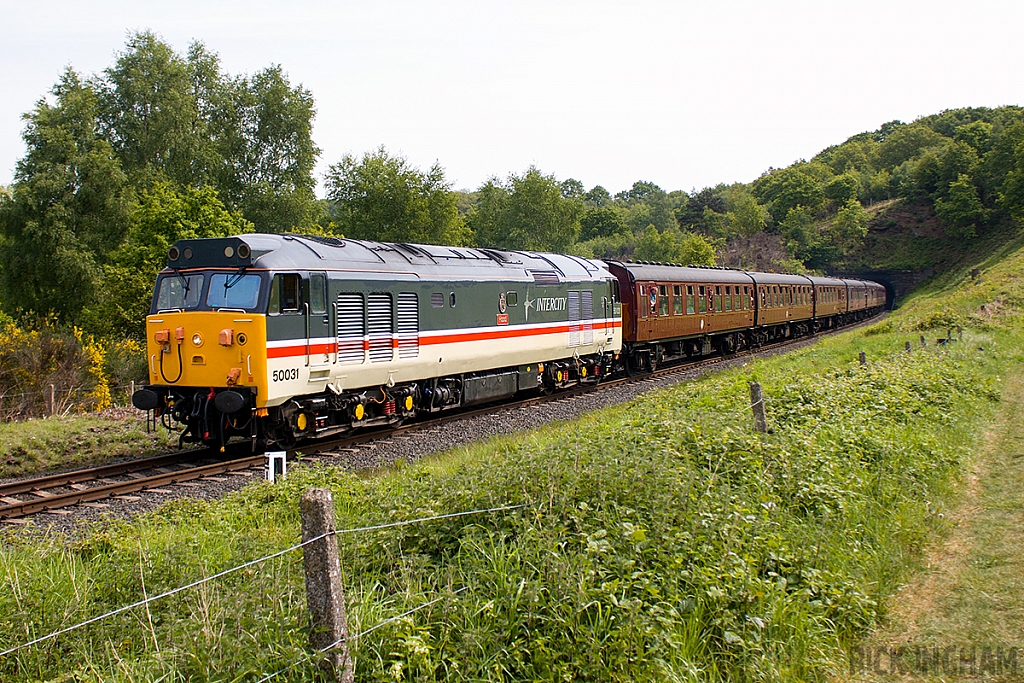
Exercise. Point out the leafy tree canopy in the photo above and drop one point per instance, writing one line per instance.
(526, 212)
(382, 197)
(67, 209)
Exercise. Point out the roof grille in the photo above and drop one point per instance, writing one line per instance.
(544, 277)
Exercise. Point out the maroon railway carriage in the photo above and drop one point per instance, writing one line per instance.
(673, 311)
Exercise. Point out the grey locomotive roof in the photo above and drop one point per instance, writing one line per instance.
(660, 272)
(295, 252)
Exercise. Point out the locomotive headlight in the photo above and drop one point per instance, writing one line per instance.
(197, 339)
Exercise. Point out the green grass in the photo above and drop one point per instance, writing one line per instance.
(37, 446)
(664, 540)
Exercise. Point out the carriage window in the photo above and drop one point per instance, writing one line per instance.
(702, 301)
(677, 300)
(728, 298)
(689, 300)
(718, 299)
(284, 293)
(663, 300)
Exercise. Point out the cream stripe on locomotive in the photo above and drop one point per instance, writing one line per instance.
(443, 352)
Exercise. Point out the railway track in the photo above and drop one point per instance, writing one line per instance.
(90, 486)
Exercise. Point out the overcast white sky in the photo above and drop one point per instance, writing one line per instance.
(683, 94)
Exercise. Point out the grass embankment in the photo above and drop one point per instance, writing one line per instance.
(44, 445)
(664, 540)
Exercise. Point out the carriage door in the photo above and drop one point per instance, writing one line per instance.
(652, 307)
(319, 340)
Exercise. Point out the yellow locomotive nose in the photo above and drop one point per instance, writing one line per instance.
(179, 356)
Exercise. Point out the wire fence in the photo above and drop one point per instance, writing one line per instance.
(58, 400)
(260, 560)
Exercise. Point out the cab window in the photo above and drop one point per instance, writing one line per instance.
(231, 290)
(285, 293)
(179, 292)
(318, 293)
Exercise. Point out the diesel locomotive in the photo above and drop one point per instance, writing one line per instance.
(282, 338)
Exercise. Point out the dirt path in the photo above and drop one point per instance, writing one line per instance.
(962, 617)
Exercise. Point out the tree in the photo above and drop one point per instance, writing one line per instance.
(744, 215)
(690, 215)
(787, 188)
(272, 153)
(573, 189)
(67, 210)
(674, 246)
(850, 225)
(183, 120)
(526, 212)
(163, 215)
(602, 222)
(962, 211)
(842, 188)
(905, 143)
(382, 197)
(598, 197)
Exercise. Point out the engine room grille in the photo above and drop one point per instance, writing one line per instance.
(380, 326)
(351, 328)
(408, 325)
(588, 317)
(574, 319)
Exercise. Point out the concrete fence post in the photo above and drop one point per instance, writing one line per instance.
(908, 347)
(324, 596)
(863, 358)
(923, 342)
(959, 333)
(53, 400)
(757, 406)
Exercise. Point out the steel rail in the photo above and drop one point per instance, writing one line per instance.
(62, 500)
(93, 473)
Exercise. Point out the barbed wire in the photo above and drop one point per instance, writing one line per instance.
(359, 635)
(251, 563)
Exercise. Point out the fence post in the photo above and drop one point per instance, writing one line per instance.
(863, 358)
(757, 406)
(908, 347)
(923, 342)
(324, 595)
(53, 401)
(959, 333)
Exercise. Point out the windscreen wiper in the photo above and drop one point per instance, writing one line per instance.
(235, 278)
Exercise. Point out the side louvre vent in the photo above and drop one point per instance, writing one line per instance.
(408, 325)
(351, 328)
(588, 317)
(380, 326)
(574, 319)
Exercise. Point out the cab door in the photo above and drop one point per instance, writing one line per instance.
(319, 340)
